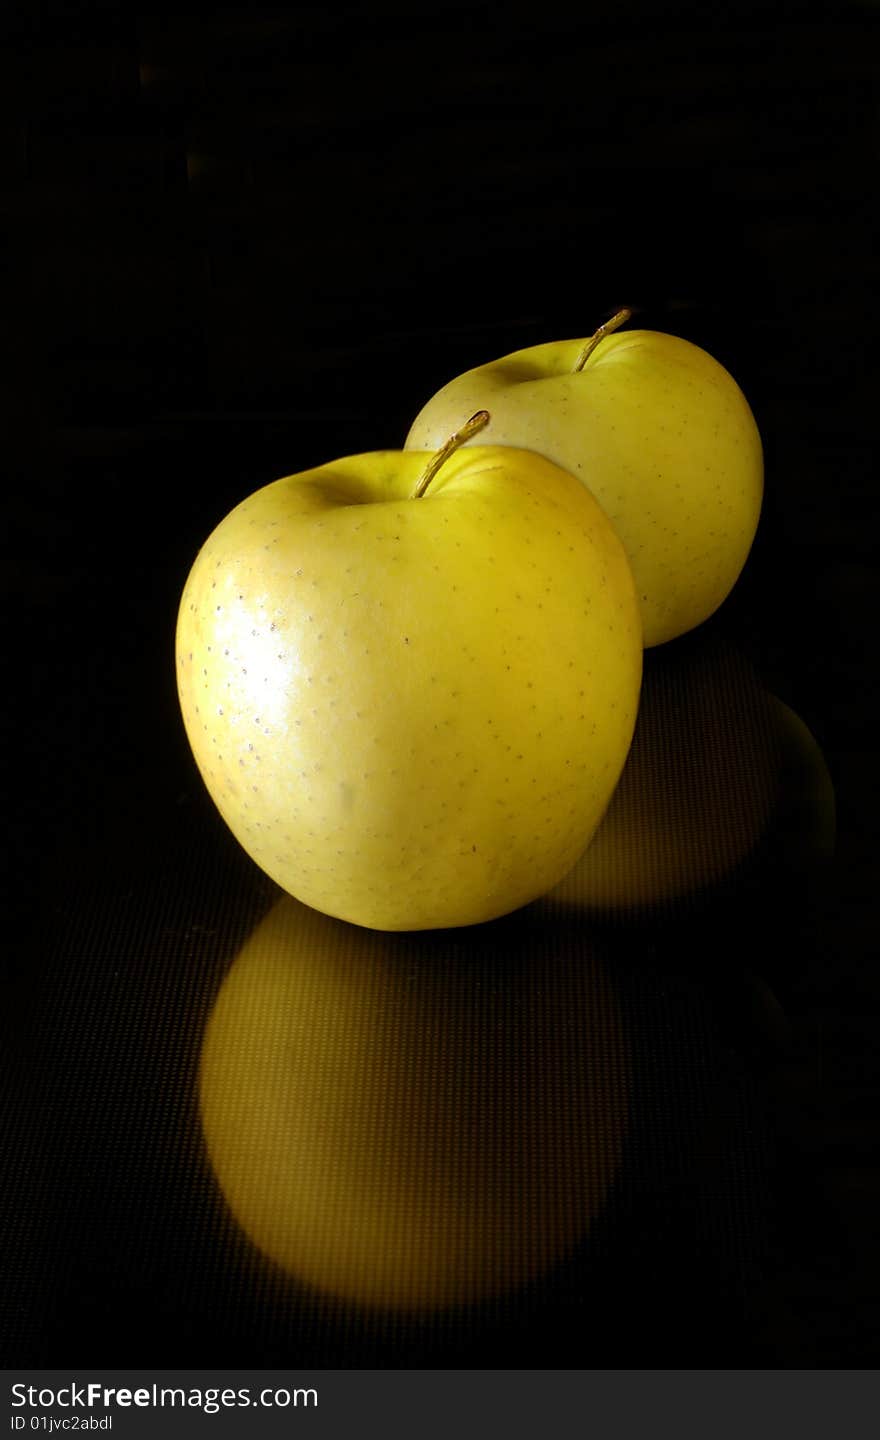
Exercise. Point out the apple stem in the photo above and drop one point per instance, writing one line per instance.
(469, 428)
(619, 318)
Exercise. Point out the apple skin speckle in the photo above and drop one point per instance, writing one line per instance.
(432, 776)
(658, 431)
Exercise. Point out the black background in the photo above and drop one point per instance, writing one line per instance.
(244, 242)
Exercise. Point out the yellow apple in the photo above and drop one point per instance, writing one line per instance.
(413, 1121)
(660, 433)
(720, 772)
(410, 687)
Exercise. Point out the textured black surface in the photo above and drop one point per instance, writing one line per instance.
(243, 244)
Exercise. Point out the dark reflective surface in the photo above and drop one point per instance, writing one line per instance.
(414, 1122)
(637, 1123)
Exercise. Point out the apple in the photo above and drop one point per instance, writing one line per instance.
(414, 1121)
(410, 681)
(721, 777)
(661, 434)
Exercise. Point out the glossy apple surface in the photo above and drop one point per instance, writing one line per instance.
(414, 1121)
(412, 712)
(658, 431)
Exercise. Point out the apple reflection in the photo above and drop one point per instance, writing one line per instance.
(418, 1120)
(721, 776)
